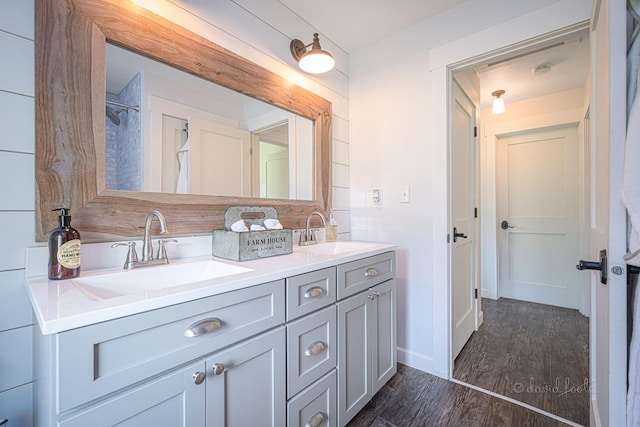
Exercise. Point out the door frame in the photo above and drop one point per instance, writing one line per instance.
(518, 36)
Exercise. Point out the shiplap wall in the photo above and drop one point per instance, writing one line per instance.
(16, 208)
(257, 30)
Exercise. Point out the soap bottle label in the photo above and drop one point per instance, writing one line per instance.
(69, 254)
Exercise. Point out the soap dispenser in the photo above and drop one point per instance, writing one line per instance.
(64, 249)
(331, 229)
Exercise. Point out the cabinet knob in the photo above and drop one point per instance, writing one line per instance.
(315, 348)
(199, 377)
(203, 327)
(217, 368)
(314, 292)
(371, 272)
(316, 420)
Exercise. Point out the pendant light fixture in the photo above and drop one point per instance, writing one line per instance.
(498, 103)
(314, 61)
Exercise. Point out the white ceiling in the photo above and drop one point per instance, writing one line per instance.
(569, 70)
(335, 19)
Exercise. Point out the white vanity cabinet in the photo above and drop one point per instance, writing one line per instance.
(366, 332)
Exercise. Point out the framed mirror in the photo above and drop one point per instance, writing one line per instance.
(70, 40)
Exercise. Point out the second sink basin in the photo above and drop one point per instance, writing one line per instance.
(334, 248)
(116, 284)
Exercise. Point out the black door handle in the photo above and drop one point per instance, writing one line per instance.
(600, 266)
(456, 235)
(505, 224)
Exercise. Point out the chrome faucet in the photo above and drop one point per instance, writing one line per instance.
(307, 237)
(147, 247)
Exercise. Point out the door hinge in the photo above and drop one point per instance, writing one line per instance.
(475, 212)
(448, 238)
(475, 131)
(476, 293)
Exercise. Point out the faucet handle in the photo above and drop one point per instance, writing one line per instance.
(132, 255)
(162, 251)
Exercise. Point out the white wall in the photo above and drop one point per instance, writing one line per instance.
(398, 120)
(545, 111)
(17, 125)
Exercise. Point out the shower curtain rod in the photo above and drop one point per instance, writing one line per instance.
(123, 105)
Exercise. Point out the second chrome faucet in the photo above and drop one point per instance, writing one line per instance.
(307, 237)
(148, 259)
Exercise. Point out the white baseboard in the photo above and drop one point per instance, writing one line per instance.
(417, 361)
(488, 293)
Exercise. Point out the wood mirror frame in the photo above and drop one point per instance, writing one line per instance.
(70, 40)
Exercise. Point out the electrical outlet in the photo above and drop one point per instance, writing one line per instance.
(376, 196)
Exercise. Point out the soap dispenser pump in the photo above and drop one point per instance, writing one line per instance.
(64, 249)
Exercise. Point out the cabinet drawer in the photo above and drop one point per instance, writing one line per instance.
(311, 349)
(356, 276)
(311, 291)
(102, 358)
(316, 406)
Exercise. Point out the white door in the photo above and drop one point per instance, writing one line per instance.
(274, 170)
(538, 196)
(608, 353)
(220, 159)
(463, 196)
(174, 135)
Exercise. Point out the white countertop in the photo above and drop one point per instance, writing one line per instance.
(62, 305)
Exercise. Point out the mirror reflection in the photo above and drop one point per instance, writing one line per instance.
(169, 131)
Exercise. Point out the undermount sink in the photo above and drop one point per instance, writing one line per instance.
(334, 248)
(117, 284)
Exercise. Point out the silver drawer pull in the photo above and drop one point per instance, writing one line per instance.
(217, 368)
(198, 377)
(316, 420)
(314, 292)
(371, 272)
(203, 327)
(315, 348)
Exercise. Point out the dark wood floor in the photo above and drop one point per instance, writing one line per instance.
(533, 353)
(414, 398)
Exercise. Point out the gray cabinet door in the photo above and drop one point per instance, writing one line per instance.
(172, 400)
(367, 347)
(246, 383)
(354, 335)
(383, 343)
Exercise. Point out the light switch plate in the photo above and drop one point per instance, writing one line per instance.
(405, 194)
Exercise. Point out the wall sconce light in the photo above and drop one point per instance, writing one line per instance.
(314, 61)
(498, 103)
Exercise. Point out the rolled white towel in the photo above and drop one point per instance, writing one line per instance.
(257, 227)
(239, 226)
(272, 224)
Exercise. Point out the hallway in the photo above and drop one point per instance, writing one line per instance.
(534, 353)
